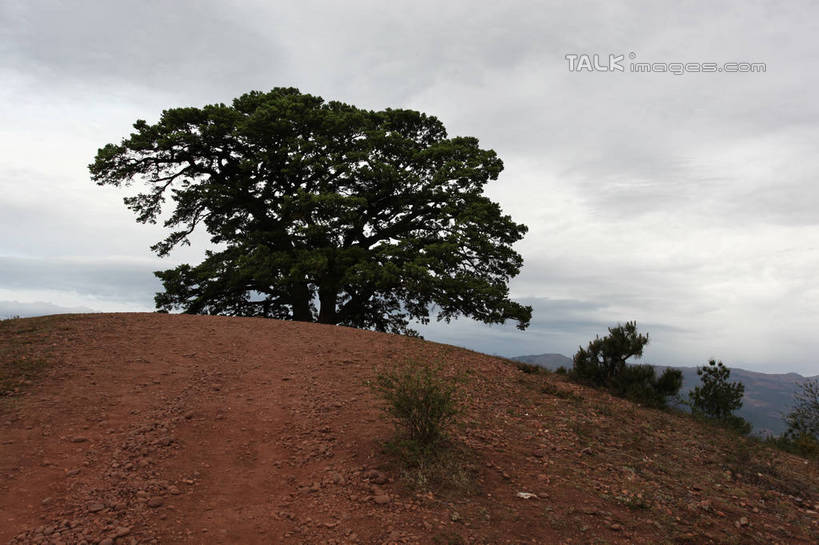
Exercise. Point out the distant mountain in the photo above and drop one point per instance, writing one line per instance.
(767, 396)
(549, 361)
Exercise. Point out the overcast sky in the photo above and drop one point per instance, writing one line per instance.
(686, 202)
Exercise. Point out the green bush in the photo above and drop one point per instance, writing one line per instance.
(420, 399)
(639, 383)
(803, 444)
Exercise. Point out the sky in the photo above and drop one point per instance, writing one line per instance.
(685, 201)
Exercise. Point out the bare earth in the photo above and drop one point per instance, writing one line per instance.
(152, 428)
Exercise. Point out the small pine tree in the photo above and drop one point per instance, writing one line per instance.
(716, 398)
(603, 364)
(605, 359)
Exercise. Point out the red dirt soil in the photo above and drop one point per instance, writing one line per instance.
(153, 428)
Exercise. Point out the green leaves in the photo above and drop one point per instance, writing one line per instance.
(377, 214)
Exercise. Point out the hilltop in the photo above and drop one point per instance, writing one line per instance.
(155, 428)
(767, 395)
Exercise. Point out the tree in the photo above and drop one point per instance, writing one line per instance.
(716, 397)
(322, 211)
(803, 420)
(604, 364)
(605, 358)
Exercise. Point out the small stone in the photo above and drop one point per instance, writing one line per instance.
(79, 439)
(155, 502)
(381, 499)
(616, 527)
(174, 490)
(122, 531)
(95, 507)
(375, 477)
(455, 516)
(107, 541)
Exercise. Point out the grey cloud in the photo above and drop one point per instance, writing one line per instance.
(120, 280)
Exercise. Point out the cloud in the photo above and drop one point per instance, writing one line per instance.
(113, 280)
(10, 309)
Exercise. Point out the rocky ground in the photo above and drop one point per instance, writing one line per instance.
(152, 428)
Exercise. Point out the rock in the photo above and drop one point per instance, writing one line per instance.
(375, 476)
(455, 516)
(155, 502)
(174, 490)
(381, 499)
(122, 531)
(616, 527)
(79, 439)
(95, 507)
(107, 541)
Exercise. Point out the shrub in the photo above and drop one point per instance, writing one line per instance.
(802, 444)
(531, 368)
(639, 383)
(420, 399)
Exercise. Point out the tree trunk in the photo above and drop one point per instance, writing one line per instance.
(328, 297)
(301, 303)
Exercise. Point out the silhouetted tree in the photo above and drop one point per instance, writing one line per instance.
(604, 364)
(322, 211)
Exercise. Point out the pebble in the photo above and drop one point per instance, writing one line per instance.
(381, 499)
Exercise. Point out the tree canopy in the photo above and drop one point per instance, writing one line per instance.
(321, 211)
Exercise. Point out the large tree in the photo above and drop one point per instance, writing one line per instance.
(321, 211)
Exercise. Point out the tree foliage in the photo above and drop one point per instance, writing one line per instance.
(605, 358)
(716, 397)
(321, 211)
(604, 364)
(803, 420)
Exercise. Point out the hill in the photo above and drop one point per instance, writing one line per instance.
(767, 395)
(154, 428)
